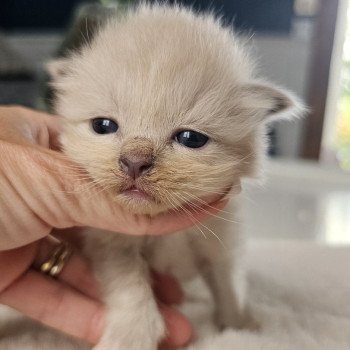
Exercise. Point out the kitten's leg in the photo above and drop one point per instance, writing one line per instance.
(215, 261)
(227, 312)
(133, 320)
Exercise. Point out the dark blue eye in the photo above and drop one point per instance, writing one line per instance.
(104, 126)
(191, 139)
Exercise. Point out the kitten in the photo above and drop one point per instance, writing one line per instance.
(163, 109)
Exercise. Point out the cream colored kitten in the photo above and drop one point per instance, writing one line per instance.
(164, 110)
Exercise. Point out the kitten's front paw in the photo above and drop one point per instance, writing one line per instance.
(144, 331)
(114, 344)
(128, 343)
(102, 346)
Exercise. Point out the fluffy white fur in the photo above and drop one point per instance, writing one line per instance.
(156, 71)
(298, 292)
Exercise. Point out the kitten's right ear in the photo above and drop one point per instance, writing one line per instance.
(268, 103)
(58, 68)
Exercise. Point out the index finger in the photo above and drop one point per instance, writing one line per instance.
(46, 127)
(22, 125)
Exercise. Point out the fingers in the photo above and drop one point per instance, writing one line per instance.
(59, 304)
(14, 262)
(179, 330)
(69, 304)
(49, 130)
(45, 127)
(167, 289)
(32, 198)
(73, 313)
(76, 272)
(52, 192)
(56, 305)
(26, 126)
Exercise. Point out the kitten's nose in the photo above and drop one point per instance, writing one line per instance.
(136, 166)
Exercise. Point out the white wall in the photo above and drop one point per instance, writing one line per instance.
(285, 60)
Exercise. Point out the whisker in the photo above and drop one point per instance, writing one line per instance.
(188, 213)
(207, 228)
(205, 203)
(212, 191)
(194, 205)
(212, 232)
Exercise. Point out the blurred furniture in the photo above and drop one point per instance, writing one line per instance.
(319, 76)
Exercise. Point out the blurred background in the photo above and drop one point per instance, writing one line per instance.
(302, 45)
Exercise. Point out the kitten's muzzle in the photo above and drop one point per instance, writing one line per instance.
(136, 166)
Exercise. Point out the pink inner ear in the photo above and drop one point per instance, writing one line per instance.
(281, 104)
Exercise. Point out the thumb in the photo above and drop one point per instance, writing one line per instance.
(41, 189)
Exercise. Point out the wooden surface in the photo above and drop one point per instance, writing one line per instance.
(319, 77)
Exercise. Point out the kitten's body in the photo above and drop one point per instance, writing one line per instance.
(157, 72)
(122, 265)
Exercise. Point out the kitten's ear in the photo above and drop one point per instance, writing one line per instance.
(268, 103)
(58, 68)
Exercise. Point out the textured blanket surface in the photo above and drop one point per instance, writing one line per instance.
(299, 293)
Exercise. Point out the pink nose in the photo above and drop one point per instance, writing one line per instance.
(135, 166)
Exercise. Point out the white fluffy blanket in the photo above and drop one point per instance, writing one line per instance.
(299, 292)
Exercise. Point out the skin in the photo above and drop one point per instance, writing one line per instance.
(41, 190)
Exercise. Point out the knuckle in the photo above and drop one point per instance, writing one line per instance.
(17, 109)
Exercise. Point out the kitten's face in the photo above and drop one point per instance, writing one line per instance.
(161, 111)
(153, 165)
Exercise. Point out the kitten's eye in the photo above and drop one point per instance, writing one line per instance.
(191, 139)
(104, 126)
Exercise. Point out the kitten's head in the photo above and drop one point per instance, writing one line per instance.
(163, 109)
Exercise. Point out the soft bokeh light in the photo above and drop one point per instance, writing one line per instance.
(343, 121)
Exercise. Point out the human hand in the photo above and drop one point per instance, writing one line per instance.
(42, 189)
(39, 191)
(71, 303)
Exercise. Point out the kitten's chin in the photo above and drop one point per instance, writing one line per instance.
(140, 203)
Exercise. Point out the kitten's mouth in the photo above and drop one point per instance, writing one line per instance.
(140, 198)
(137, 193)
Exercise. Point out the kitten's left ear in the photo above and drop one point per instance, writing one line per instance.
(58, 68)
(268, 103)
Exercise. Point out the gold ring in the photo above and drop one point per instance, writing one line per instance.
(59, 257)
